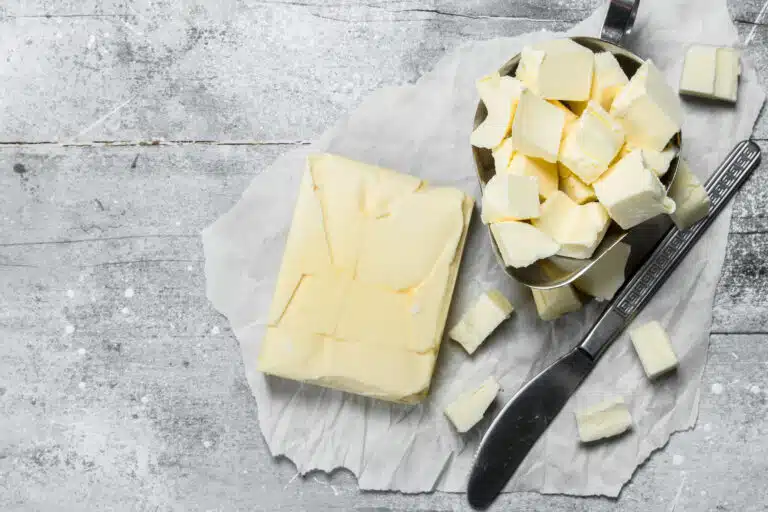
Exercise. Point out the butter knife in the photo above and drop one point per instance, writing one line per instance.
(530, 411)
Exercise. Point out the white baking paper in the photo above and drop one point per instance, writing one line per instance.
(424, 129)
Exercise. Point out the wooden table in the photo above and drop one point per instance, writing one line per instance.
(129, 125)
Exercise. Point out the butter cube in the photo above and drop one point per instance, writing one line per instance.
(502, 155)
(510, 197)
(631, 192)
(648, 109)
(606, 419)
(545, 172)
(339, 315)
(521, 244)
(500, 94)
(653, 348)
(608, 79)
(711, 72)
(690, 197)
(481, 319)
(591, 143)
(559, 69)
(604, 279)
(469, 407)
(574, 188)
(556, 302)
(727, 74)
(537, 128)
(577, 228)
(656, 161)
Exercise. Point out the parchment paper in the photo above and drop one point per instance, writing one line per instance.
(424, 129)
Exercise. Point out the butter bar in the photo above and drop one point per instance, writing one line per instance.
(521, 244)
(690, 197)
(469, 407)
(654, 349)
(556, 302)
(606, 419)
(352, 310)
(559, 69)
(481, 319)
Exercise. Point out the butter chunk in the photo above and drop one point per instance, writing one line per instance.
(510, 197)
(648, 109)
(605, 277)
(481, 319)
(698, 77)
(608, 79)
(727, 74)
(577, 228)
(606, 419)
(351, 309)
(545, 172)
(690, 197)
(631, 192)
(502, 155)
(657, 161)
(500, 94)
(521, 244)
(469, 407)
(654, 349)
(591, 143)
(559, 69)
(573, 187)
(556, 302)
(537, 128)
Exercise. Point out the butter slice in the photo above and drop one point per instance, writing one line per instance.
(654, 349)
(537, 128)
(481, 319)
(591, 143)
(556, 302)
(469, 407)
(545, 172)
(500, 94)
(608, 79)
(631, 192)
(690, 197)
(711, 72)
(605, 277)
(577, 228)
(727, 74)
(576, 189)
(351, 309)
(521, 244)
(648, 109)
(609, 418)
(510, 197)
(559, 69)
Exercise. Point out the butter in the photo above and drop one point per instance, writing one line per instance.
(727, 74)
(469, 407)
(573, 187)
(631, 192)
(559, 69)
(569, 115)
(521, 244)
(609, 418)
(608, 79)
(654, 349)
(591, 144)
(545, 172)
(500, 94)
(481, 319)
(648, 109)
(711, 72)
(537, 128)
(605, 277)
(556, 302)
(510, 197)
(577, 228)
(657, 161)
(351, 309)
(502, 155)
(690, 197)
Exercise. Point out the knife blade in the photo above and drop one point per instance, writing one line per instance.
(526, 416)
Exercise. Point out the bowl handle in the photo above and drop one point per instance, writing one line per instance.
(619, 20)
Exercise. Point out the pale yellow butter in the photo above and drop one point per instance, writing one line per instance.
(577, 228)
(574, 188)
(481, 319)
(711, 72)
(690, 197)
(469, 407)
(556, 302)
(558, 69)
(521, 244)
(537, 128)
(728, 70)
(608, 79)
(510, 197)
(605, 277)
(654, 349)
(657, 161)
(545, 172)
(500, 95)
(609, 418)
(353, 310)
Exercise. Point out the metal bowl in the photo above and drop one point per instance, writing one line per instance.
(559, 270)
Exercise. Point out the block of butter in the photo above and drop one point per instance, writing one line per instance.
(631, 192)
(690, 197)
(558, 69)
(604, 279)
(591, 143)
(654, 349)
(546, 172)
(510, 197)
(352, 310)
(537, 128)
(578, 229)
(573, 187)
(500, 95)
(481, 319)
(521, 244)
(608, 80)
(502, 155)
(711, 72)
(556, 302)
(469, 407)
(648, 109)
(609, 418)
(656, 161)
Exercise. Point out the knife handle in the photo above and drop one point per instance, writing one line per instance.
(723, 184)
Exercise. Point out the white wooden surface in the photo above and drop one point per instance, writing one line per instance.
(120, 387)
